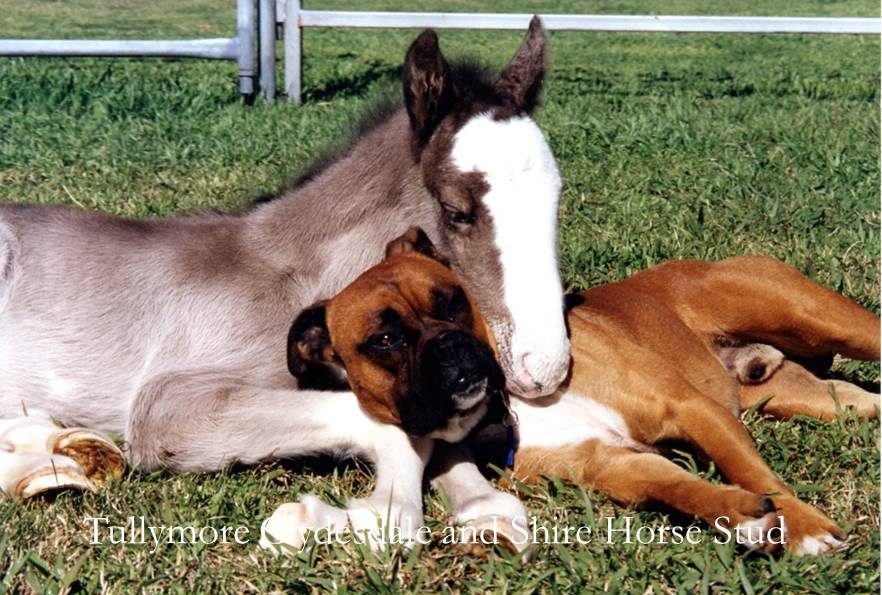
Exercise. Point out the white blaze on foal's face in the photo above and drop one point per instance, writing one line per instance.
(521, 204)
(488, 165)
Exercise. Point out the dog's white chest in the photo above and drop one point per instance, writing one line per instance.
(569, 419)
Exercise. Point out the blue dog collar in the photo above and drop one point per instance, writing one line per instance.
(510, 421)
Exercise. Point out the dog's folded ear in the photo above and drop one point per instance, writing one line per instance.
(311, 356)
(309, 340)
(415, 240)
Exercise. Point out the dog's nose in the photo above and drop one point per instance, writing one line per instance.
(458, 361)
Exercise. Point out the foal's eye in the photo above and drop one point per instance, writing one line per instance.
(457, 217)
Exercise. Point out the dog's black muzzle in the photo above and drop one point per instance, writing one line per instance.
(455, 374)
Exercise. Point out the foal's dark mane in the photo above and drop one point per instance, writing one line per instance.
(474, 86)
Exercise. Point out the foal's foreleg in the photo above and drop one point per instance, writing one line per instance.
(37, 456)
(204, 420)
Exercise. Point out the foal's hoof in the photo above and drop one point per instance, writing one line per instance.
(27, 475)
(99, 457)
(501, 531)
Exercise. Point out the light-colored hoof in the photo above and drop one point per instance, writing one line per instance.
(819, 545)
(284, 533)
(99, 457)
(27, 435)
(27, 475)
(501, 531)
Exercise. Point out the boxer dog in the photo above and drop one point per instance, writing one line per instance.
(408, 340)
(673, 353)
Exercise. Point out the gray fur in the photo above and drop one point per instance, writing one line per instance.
(108, 323)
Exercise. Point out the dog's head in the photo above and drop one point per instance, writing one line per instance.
(414, 347)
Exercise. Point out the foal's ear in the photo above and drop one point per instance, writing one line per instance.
(522, 79)
(428, 92)
(309, 341)
(415, 240)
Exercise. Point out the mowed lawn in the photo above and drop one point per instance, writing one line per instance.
(671, 146)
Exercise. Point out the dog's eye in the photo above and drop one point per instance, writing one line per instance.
(386, 341)
(457, 217)
(457, 305)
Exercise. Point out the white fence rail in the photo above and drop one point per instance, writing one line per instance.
(262, 34)
(295, 18)
(240, 48)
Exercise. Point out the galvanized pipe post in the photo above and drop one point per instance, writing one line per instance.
(266, 14)
(245, 39)
(293, 50)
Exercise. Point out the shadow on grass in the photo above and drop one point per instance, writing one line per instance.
(355, 84)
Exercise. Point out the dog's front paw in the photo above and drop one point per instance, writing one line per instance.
(285, 532)
(289, 528)
(491, 504)
(378, 523)
(497, 518)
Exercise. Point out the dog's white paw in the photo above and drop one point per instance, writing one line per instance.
(366, 522)
(288, 529)
(285, 531)
(509, 533)
(489, 505)
(498, 519)
(817, 545)
(378, 523)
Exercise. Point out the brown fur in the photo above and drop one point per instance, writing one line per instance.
(646, 347)
(406, 282)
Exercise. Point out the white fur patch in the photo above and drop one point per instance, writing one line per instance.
(458, 428)
(570, 419)
(818, 544)
(525, 184)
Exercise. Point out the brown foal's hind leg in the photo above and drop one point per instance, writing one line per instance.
(762, 299)
(796, 391)
(634, 478)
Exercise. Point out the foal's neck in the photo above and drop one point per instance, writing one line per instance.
(323, 234)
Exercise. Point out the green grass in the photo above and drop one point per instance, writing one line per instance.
(671, 146)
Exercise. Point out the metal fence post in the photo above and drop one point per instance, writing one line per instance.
(266, 10)
(293, 50)
(245, 39)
